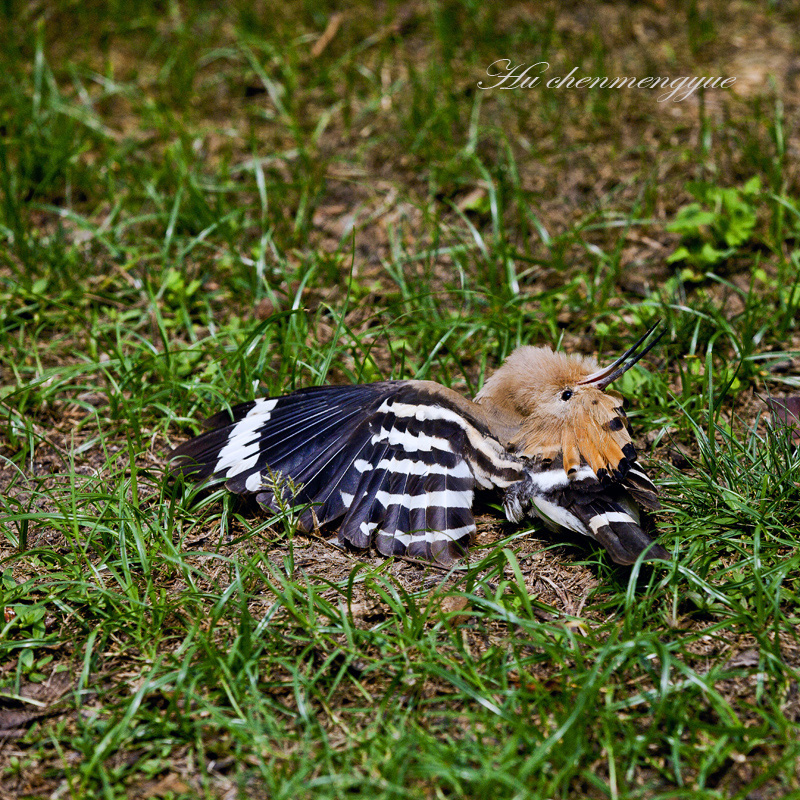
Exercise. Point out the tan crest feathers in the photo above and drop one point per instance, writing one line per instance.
(570, 448)
(544, 405)
(530, 371)
(603, 448)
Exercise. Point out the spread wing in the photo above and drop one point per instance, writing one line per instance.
(603, 508)
(395, 463)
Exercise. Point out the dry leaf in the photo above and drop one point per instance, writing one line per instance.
(746, 658)
(169, 784)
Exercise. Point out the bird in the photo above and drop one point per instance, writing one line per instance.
(395, 464)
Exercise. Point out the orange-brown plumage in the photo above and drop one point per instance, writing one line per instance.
(543, 406)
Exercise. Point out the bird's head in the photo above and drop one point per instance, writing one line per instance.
(562, 406)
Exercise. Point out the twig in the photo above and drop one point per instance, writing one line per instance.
(327, 36)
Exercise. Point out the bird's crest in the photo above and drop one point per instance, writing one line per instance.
(562, 407)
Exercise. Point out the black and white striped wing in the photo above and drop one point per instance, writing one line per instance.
(604, 509)
(397, 462)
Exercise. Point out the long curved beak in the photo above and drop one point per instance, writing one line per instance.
(602, 378)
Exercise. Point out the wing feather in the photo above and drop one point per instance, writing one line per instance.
(395, 462)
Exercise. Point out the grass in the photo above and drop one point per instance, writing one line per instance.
(200, 206)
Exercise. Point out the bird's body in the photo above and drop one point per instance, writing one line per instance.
(395, 464)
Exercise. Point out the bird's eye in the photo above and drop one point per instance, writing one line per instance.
(566, 394)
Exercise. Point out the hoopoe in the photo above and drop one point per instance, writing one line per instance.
(396, 463)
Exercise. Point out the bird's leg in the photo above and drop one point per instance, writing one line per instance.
(517, 499)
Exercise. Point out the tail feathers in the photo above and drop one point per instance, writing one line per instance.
(596, 506)
(619, 531)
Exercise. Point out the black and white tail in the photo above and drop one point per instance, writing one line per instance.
(604, 509)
